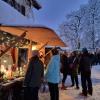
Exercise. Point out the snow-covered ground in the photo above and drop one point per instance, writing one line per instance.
(72, 94)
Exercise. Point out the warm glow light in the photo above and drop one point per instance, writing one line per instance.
(5, 61)
(34, 48)
(7, 73)
(2, 69)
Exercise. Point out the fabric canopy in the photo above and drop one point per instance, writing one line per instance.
(37, 33)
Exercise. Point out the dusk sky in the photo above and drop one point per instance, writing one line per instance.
(53, 12)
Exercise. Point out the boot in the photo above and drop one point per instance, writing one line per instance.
(63, 87)
(77, 87)
(90, 92)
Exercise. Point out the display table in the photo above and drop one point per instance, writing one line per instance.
(12, 89)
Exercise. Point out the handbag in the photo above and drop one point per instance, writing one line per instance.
(72, 65)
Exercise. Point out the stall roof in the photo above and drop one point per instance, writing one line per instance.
(38, 34)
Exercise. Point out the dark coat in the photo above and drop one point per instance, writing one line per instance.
(34, 73)
(64, 64)
(73, 65)
(85, 64)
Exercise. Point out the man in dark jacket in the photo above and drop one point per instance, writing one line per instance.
(33, 78)
(85, 70)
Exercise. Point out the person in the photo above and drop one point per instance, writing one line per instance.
(64, 69)
(85, 70)
(33, 77)
(73, 64)
(53, 74)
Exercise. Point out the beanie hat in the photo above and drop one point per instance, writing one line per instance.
(84, 50)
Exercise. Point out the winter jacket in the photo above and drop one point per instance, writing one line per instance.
(35, 72)
(64, 64)
(73, 65)
(85, 64)
(53, 70)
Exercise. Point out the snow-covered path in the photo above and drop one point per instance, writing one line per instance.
(73, 94)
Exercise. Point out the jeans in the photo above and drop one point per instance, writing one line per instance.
(64, 77)
(74, 79)
(86, 83)
(54, 91)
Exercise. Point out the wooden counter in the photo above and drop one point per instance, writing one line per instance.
(12, 89)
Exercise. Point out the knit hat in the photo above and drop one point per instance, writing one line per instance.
(84, 50)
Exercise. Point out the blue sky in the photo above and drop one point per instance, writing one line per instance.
(53, 12)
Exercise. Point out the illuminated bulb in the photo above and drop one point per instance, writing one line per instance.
(5, 61)
(34, 48)
(2, 38)
(2, 69)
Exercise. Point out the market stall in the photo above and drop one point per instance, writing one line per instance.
(15, 52)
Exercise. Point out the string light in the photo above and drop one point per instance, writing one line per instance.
(8, 39)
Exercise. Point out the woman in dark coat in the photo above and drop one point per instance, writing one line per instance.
(33, 78)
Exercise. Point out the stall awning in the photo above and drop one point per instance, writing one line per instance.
(37, 33)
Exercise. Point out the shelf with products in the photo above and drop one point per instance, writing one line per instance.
(9, 67)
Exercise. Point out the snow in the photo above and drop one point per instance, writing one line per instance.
(72, 94)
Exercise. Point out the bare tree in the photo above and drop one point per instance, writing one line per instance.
(71, 29)
(91, 19)
(82, 27)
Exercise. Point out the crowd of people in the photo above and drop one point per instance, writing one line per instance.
(73, 64)
(78, 63)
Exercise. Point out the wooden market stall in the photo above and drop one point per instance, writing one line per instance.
(35, 37)
(42, 35)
